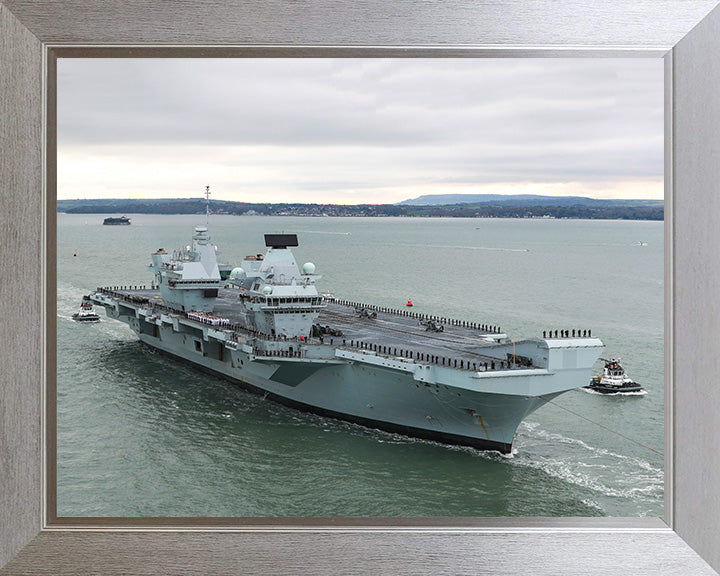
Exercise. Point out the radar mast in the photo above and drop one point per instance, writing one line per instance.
(207, 206)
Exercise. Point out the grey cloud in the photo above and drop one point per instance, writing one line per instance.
(457, 120)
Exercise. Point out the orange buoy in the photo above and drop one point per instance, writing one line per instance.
(409, 302)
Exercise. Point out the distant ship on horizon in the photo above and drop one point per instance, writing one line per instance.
(121, 221)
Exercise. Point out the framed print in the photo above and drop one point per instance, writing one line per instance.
(33, 37)
(311, 134)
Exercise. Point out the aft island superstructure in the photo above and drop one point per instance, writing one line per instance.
(268, 329)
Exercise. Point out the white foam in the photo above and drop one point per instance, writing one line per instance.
(592, 504)
(569, 472)
(638, 479)
(555, 437)
(636, 393)
(459, 247)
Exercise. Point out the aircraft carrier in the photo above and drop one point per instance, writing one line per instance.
(268, 329)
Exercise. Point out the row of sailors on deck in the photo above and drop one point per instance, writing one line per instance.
(566, 334)
(208, 319)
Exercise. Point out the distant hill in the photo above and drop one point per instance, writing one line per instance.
(520, 200)
(522, 206)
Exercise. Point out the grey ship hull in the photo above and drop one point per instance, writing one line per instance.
(373, 396)
(373, 385)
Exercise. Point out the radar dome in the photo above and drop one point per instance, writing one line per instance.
(267, 290)
(308, 268)
(237, 273)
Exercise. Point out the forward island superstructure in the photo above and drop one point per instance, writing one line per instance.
(267, 329)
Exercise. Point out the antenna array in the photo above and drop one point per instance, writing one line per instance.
(207, 206)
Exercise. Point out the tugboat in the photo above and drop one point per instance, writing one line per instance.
(86, 312)
(613, 380)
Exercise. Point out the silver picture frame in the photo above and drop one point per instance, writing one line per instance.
(686, 33)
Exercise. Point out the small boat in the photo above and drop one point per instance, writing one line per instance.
(613, 380)
(86, 312)
(121, 221)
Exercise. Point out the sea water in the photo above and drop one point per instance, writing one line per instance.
(142, 435)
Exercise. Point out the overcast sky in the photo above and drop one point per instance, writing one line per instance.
(352, 131)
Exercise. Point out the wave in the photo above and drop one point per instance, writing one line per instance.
(460, 247)
(326, 232)
(592, 504)
(555, 437)
(636, 486)
(70, 291)
(619, 476)
(636, 393)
